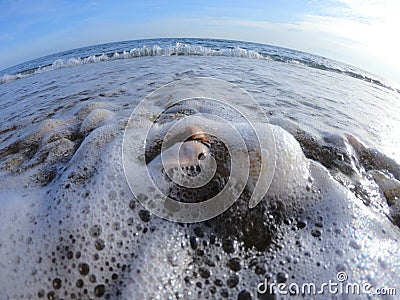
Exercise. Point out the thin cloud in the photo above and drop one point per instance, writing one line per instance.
(370, 29)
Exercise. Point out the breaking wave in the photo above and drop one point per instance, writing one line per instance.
(184, 49)
(179, 49)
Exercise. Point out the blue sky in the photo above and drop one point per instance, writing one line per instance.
(360, 32)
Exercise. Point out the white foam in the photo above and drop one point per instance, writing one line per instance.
(87, 211)
(177, 49)
(19, 209)
(95, 119)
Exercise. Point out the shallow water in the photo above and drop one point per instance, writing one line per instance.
(66, 206)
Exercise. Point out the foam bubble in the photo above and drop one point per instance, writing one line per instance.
(95, 119)
(80, 232)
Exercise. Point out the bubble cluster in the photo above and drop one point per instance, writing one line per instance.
(187, 167)
(70, 227)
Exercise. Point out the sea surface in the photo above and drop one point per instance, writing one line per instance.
(70, 226)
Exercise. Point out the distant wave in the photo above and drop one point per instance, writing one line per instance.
(179, 49)
(182, 49)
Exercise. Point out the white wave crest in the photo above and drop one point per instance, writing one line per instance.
(177, 49)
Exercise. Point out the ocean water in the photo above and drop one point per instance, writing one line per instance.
(72, 228)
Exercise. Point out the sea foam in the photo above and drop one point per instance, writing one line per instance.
(70, 226)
